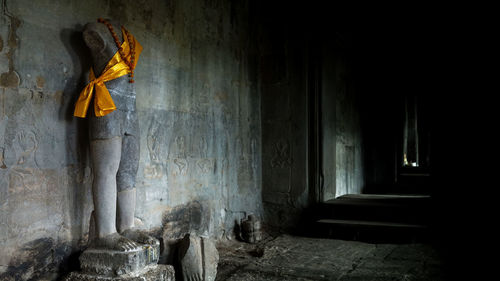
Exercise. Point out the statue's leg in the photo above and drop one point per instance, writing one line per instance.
(105, 155)
(126, 182)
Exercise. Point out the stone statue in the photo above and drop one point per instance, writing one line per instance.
(114, 150)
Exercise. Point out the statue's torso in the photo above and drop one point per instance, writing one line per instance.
(123, 93)
(124, 119)
(121, 121)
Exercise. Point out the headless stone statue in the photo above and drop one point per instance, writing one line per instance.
(114, 152)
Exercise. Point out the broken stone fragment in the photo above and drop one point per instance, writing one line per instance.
(251, 229)
(198, 258)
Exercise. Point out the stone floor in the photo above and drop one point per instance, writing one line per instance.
(297, 258)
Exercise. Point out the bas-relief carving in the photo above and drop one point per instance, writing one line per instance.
(239, 147)
(245, 171)
(180, 146)
(202, 102)
(224, 179)
(281, 157)
(28, 144)
(224, 167)
(181, 167)
(157, 138)
(203, 147)
(22, 181)
(24, 175)
(31, 196)
(31, 182)
(19, 148)
(153, 147)
(178, 155)
(35, 203)
(153, 171)
(206, 166)
(244, 149)
(2, 158)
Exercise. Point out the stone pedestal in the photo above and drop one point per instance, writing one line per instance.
(159, 272)
(140, 264)
(115, 263)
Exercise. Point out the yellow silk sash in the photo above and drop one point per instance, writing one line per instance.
(116, 67)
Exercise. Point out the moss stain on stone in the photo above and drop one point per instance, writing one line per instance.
(40, 82)
(11, 79)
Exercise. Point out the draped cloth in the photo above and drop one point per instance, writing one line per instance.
(116, 67)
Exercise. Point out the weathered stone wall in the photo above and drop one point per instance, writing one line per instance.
(284, 117)
(199, 105)
(295, 56)
(342, 139)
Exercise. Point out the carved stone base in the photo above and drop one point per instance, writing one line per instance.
(115, 263)
(160, 272)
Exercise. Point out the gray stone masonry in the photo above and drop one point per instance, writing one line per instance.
(139, 264)
(159, 272)
(309, 259)
(115, 263)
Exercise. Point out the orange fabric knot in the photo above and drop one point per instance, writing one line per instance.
(116, 67)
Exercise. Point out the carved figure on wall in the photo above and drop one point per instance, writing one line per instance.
(281, 158)
(114, 134)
